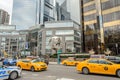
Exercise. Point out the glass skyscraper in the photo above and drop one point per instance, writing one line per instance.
(101, 24)
(27, 13)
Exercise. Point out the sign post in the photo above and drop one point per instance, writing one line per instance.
(59, 51)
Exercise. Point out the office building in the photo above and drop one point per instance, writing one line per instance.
(101, 25)
(4, 17)
(62, 13)
(11, 41)
(27, 13)
(69, 33)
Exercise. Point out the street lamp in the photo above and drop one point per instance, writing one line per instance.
(116, 48)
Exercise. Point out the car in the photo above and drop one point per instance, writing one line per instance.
(10, 72)
(69, 62)
(114, 59)
(9, 62)
(33, 65)
(98, 65)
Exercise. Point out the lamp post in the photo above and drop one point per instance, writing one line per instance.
(116, 48)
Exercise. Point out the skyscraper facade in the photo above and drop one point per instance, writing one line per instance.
(4, 17)
(62, 13)
(101, 24)
(27, 13)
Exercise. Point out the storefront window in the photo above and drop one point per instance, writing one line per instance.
(48, 32)
(64, 32)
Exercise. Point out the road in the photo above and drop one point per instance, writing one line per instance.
(60, 72)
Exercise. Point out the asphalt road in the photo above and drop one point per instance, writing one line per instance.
(60, 72)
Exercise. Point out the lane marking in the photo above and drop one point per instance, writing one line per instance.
(64, 79)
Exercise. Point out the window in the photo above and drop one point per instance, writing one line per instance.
(62, 17)
(3, 38)
(64, 32)
(69, 38)
(26, 61)
(103, 62)
(48, 32)
(93, 61)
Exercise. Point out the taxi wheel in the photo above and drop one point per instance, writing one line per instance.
(32, 69)
(13, 75)
(65, 64)
(85, 70)
(118, 73)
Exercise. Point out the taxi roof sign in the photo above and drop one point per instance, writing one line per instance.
(97, 56)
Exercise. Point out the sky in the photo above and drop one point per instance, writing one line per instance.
(7, 6)
(26, 16)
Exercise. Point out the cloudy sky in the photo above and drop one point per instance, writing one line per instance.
(23, 11)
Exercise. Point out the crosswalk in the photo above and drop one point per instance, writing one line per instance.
(45, 77)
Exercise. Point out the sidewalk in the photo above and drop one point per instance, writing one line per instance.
(54, 63)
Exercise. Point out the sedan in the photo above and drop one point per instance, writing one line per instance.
(33, 65)
(68, 62)
(98, 65)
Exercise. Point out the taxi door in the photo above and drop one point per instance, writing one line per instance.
(23, 64)
(27, 65)
(106, 67)
(93, 65)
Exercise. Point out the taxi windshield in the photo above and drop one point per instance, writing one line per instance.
(36, 60)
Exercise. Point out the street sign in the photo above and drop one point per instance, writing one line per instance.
(59, 51)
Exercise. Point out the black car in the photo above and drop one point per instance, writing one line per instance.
(114, 59)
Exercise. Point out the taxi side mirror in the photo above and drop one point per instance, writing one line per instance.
(109, 63)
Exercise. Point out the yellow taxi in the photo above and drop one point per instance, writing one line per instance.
(33, 65)
(69, 62)
(98, 65)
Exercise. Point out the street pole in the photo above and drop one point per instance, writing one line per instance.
(58, 57)
(116, 48)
